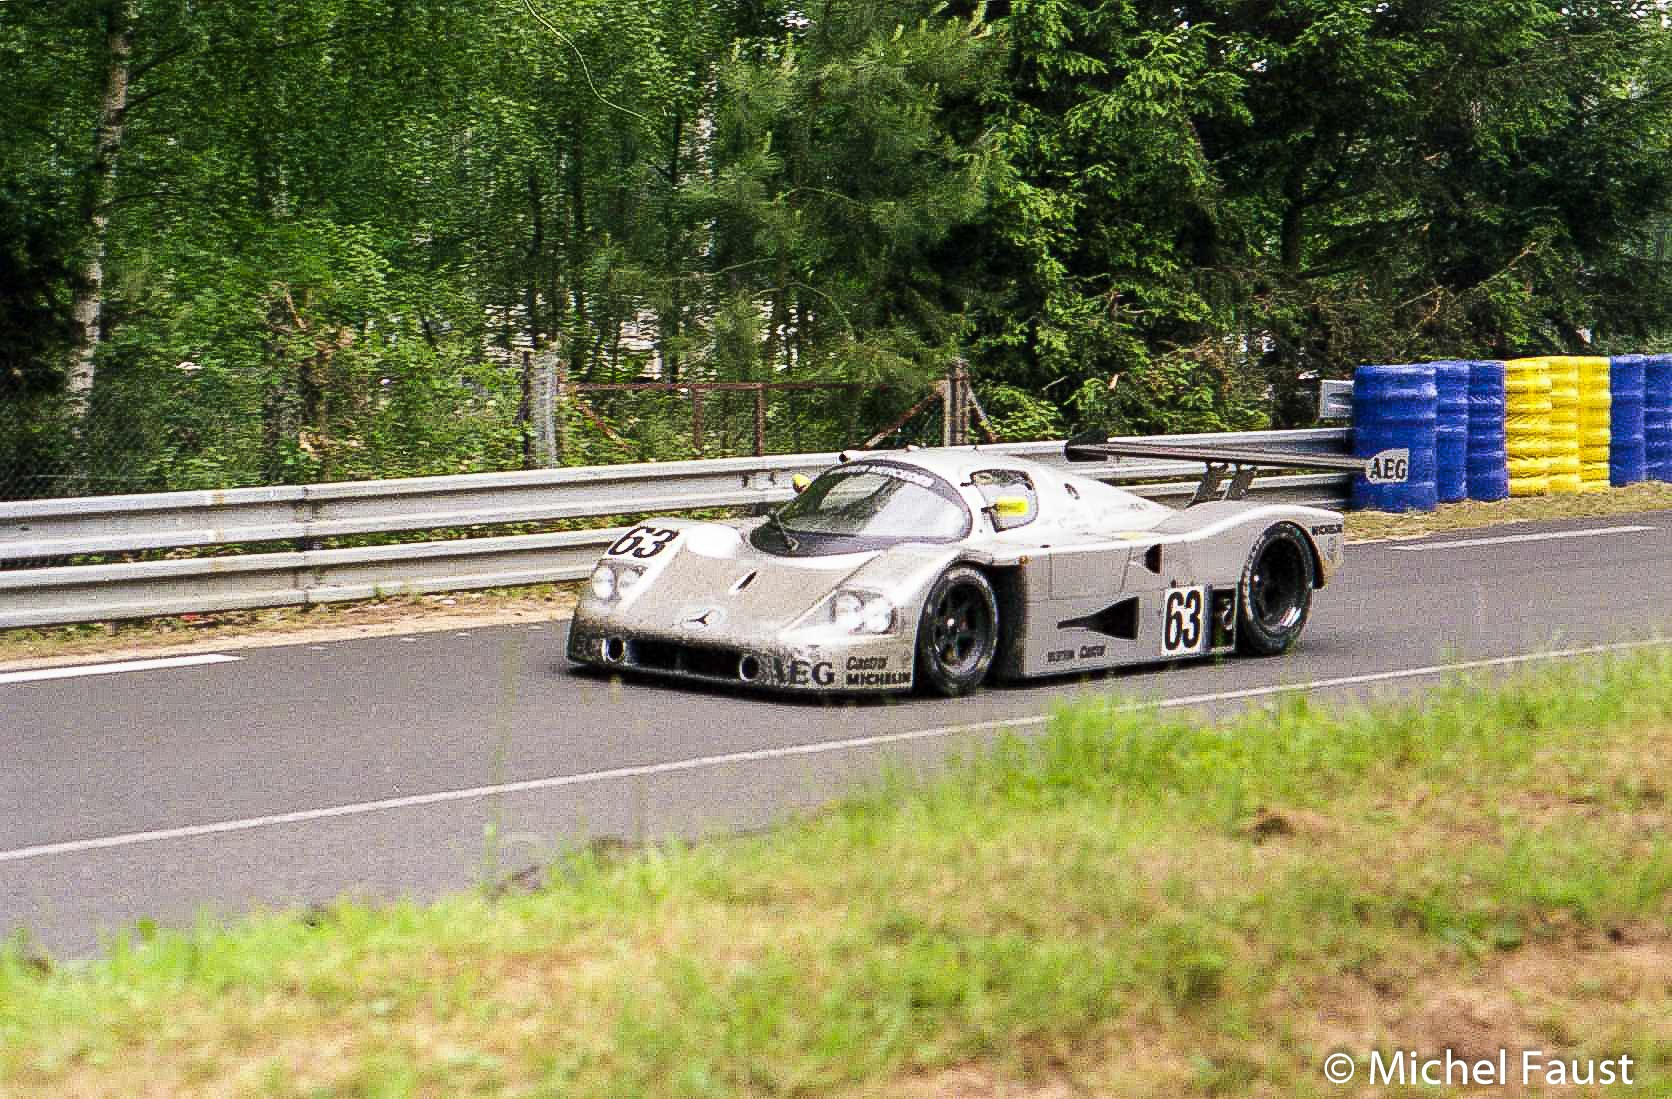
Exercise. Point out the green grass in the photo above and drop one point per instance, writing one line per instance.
(1135, 904)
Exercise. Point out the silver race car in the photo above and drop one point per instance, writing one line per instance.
(937, 568)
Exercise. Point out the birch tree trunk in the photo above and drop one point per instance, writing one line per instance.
(120, 16)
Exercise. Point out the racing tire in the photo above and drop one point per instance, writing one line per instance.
(958, 633)
(1274, 597)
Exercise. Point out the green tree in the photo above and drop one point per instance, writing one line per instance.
(1104, 212)
(845, 189)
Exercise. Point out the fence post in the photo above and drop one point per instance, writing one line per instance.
(696, 420)
(545, 410)
(560, 411)
(760, 419)
(955, 423)
(964, 398)
(525, 410)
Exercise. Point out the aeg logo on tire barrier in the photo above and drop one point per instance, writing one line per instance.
(1389, 467)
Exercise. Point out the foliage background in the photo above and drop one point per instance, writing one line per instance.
(310, 239)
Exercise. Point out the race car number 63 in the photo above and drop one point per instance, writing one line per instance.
(642, 542)
(1181, 627)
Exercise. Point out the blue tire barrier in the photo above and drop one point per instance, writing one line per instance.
(1486, 462)
(1627, 456)
(1451, 431)
(1394, 408)
(1657, 417)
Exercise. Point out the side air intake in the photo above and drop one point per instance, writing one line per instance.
(1117, 620)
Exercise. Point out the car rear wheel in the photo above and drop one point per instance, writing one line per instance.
(957, 636)
(1275, 596)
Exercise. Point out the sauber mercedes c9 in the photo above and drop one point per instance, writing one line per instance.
(936, 569)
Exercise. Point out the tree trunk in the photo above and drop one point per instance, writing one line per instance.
(669, 324)
(780, 322)
(120, 16)
(536, 256)
(577, 256)
(800, 332)
(1292, 238)
(537, 367)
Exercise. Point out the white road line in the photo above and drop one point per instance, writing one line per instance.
(129, 839)
(1506, 539)
(75, 670)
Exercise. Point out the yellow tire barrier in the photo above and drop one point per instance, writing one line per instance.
(1564, 423)
(1527, 425)
(1595, 432)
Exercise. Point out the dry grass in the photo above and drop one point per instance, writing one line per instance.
(44, 646)
(1365, 526)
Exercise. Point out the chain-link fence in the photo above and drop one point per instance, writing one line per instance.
(208, 432)
(48, 448)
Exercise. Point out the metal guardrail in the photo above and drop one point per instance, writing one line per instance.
(45, 529)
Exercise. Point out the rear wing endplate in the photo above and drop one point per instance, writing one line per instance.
(1388, 467)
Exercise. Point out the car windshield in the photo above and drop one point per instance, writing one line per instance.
(866, 506)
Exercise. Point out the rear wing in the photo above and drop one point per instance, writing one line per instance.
(1387, 467)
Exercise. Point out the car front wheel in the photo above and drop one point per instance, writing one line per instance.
(957, 636)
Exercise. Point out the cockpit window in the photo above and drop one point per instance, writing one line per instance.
(866, 505)
(1013, 487)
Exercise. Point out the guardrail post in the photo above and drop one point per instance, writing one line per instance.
(307, 514)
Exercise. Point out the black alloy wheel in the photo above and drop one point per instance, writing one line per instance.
(1275, 596)
(957, 636)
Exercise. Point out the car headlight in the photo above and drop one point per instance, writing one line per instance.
(610, 581)
(847, 609)
(861, 612)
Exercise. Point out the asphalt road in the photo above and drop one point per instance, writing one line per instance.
(409, 765)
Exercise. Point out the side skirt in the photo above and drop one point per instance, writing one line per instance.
(1126, 633)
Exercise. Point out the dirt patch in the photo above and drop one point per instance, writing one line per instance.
(974, 1082)
(1587, 995)
(1273, 824)
(1584, 995)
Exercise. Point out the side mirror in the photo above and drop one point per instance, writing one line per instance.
(799, 483)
